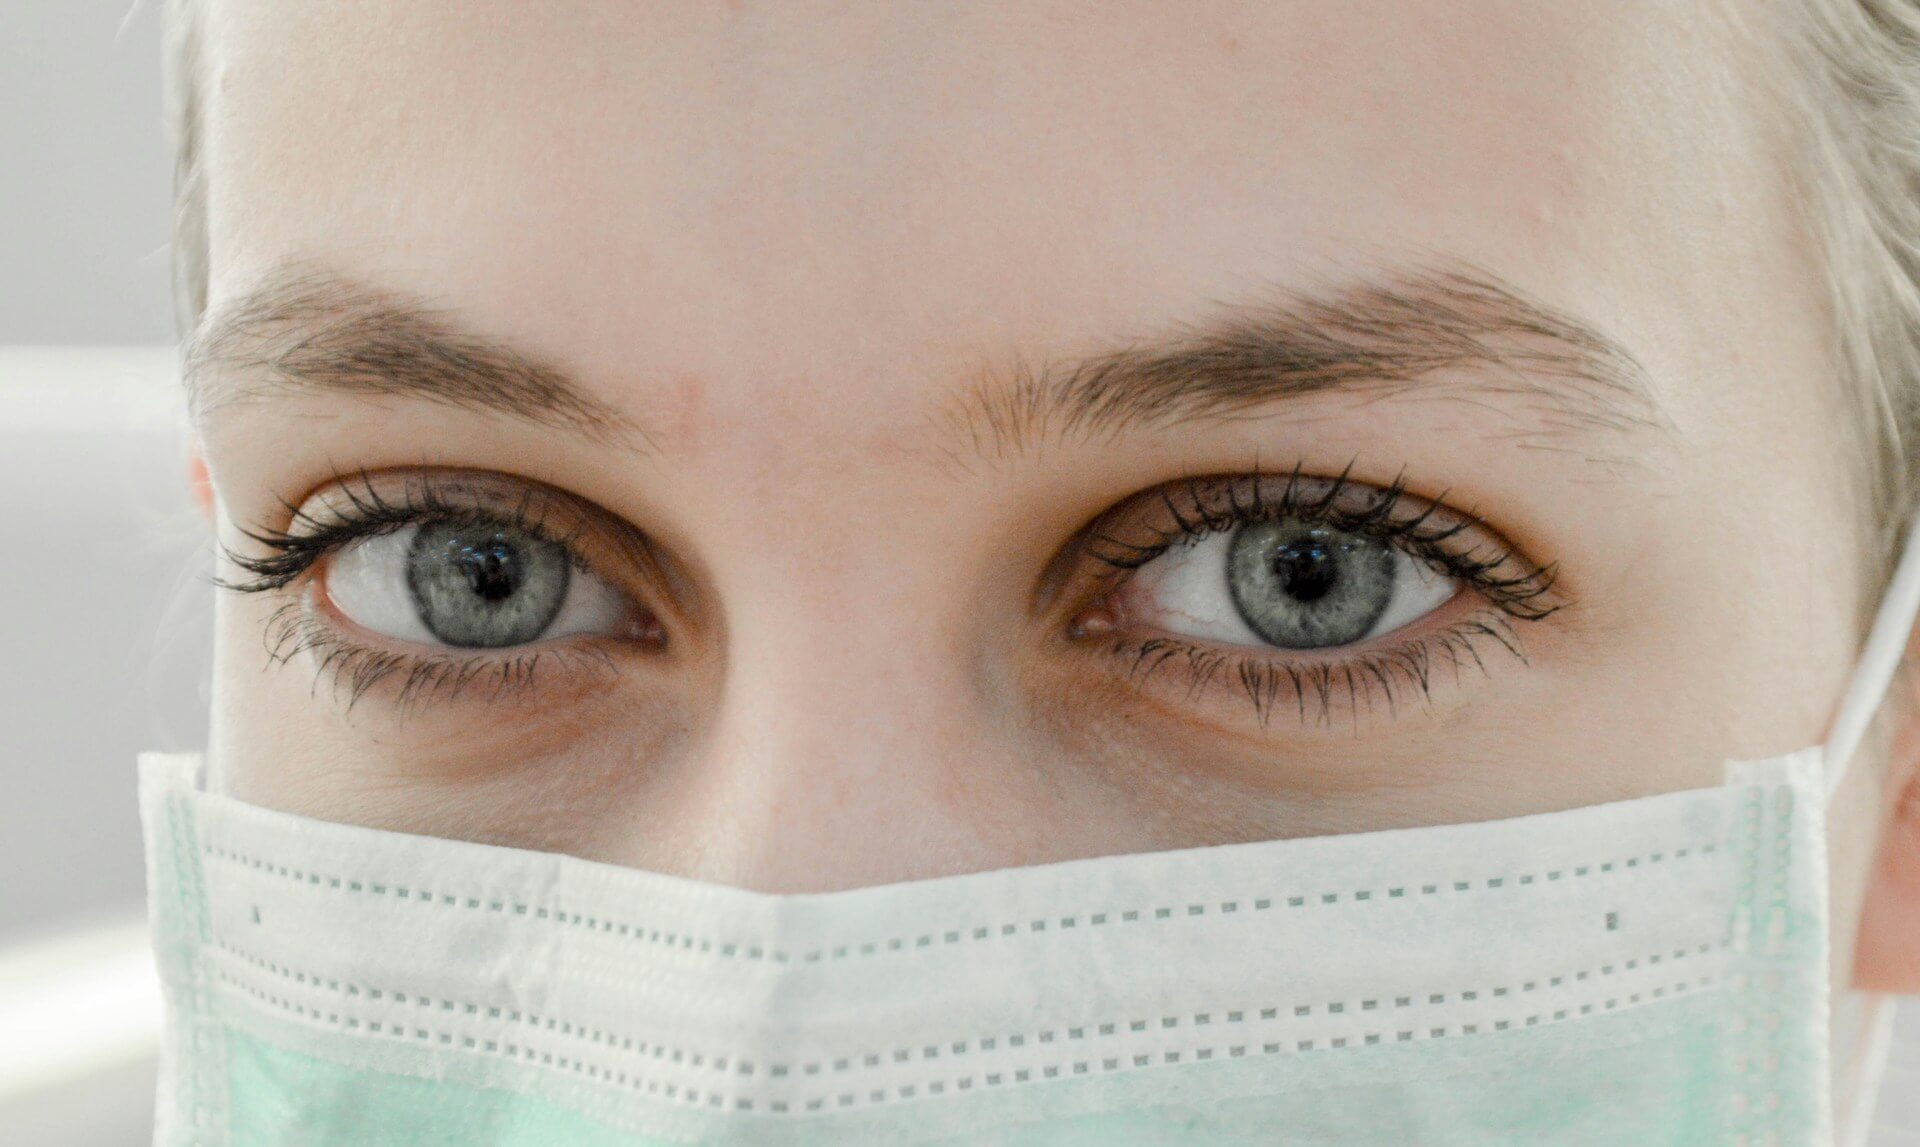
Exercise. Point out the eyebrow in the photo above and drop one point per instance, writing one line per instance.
(1444, 330)
(305, 329)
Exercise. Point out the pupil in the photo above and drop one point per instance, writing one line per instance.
(1305, 570)
(493, 570)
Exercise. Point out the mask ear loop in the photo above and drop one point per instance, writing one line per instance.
(1879, 659)
(1864, 1070)
(1872, 676)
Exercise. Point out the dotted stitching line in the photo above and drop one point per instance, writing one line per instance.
(693, 1096)
(613, 1041)
(749, 951)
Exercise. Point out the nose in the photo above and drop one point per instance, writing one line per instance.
(850, 746)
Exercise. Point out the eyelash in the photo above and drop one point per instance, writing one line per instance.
(367, 514)
(1520, 594)
(1195, 508)
(292, 629)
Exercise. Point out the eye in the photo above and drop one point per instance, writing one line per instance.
(1289, 583)
(469, 585)
(1193, 588)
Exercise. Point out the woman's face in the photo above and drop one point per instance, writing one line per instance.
(863, 443)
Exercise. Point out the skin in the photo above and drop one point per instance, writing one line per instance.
(782, 238)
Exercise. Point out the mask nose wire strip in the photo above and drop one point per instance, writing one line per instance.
(1886, 645)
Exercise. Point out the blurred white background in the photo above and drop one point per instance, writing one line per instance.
(104, 634)
(103, 641)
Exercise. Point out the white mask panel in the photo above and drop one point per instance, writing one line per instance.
(1648, 971)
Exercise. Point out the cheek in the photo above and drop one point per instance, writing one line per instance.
(284, 736)
(1887, 955)
(1876, 867)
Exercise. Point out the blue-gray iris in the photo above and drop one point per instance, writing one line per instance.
(485, 586)
(1304, 586)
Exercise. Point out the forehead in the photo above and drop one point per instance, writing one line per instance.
(854, 193)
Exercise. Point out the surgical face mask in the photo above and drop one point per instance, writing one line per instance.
(1652, 971)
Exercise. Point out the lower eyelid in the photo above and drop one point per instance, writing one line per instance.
(356, 663)
(1332, 688)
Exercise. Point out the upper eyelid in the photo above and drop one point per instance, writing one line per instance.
(1498, 569)
(311, 535)
(1200, 519)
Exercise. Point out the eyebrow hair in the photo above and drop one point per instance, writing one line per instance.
(306, 328)
(1445, 329)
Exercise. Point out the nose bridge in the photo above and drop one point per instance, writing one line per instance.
(842, 679)
(837, 611)
(843, 720)
(838, 574)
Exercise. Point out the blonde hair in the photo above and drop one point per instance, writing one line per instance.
(1855, 67)
(1855, 92)
(183, 80)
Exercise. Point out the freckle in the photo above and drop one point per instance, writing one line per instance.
(1230, 44)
